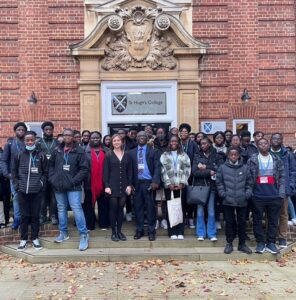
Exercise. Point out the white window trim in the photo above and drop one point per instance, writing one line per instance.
(109, 87)
(250, 122)
(31, 124)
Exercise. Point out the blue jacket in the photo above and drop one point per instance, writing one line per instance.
(289, 162)
(191, 149)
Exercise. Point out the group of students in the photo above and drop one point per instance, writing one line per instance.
(136, 169)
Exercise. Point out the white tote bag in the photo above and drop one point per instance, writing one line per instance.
(175, 210)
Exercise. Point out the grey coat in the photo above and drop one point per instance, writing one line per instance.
(234, 184)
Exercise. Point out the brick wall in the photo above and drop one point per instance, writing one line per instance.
(34, 56)
(252, 46)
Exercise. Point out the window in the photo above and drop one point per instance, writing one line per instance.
(240, 125)
(35, 126)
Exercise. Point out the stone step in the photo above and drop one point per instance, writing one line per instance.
(160, 242)
(133, 254)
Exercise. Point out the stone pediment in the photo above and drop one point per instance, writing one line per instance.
(138, 37)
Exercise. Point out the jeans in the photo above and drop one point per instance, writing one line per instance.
(272, 209)
(201, 229)
(291, 208)
(144, 199)
(74, 200)
(16, 206)
(30, 210)
(235, 220)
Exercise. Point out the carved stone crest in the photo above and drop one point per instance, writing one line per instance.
(137, 40)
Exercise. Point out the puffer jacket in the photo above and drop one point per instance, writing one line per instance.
(168, 175)
(63, 181)
(278, 172)
(23, 179)
(213, 162)
(234, 184)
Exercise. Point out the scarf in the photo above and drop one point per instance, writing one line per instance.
(96, 179)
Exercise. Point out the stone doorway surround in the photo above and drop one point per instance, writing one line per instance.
(137, 41)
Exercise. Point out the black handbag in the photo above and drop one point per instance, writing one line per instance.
(198, 194)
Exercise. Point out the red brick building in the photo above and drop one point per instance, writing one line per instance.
(252, 45)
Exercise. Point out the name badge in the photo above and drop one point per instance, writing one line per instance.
(48, 156)
(66, 168)
(34, 170)
(141, 167)
(263, 179)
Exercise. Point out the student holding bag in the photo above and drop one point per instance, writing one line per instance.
(175, 171)
(204, 168)
(234, 185)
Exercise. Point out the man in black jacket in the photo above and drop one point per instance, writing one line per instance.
(13, 147)
(146, 178)
(68, 169)
(48, 144)
(29, 174)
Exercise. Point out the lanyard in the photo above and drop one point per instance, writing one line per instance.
(175, 161)
(261, 165)
(48, 148)
(33, 159)
(66, 156)
(185, 147)
(17, 147)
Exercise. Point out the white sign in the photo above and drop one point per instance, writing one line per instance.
(210, 127)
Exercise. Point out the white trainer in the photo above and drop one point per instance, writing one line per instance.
(180, 237)
(164, 224)
(200, 238)
(174, 237)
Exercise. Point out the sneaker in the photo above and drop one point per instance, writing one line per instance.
(157, 225)
(36, 244)
(22, 246)
(283, 243)
(271, 248)
(174, 237)
(290, 223)
(218, 225)
(244, 248)
(228, 248)
(2, 225)
(213, 239)
(260, 248)
(200, 238)
(294, 221)
(191, 223)
(61, 237)
(180, 237)
(164, 224)
(83, 244)
(54, 220)
(128, 217)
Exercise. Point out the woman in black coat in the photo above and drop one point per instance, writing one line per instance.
(204, 168)
(118, 184)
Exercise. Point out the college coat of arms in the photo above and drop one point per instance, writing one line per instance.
(119, 102)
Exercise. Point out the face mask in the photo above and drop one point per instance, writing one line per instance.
(30, 148)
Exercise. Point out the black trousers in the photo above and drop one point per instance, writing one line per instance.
(272, 208)
(189, 210)
(128, 204)
(48, 201)
(235, 223)
(30, 211)
(178, 229)
(5, 196)
(144, 199)
(89, 211)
